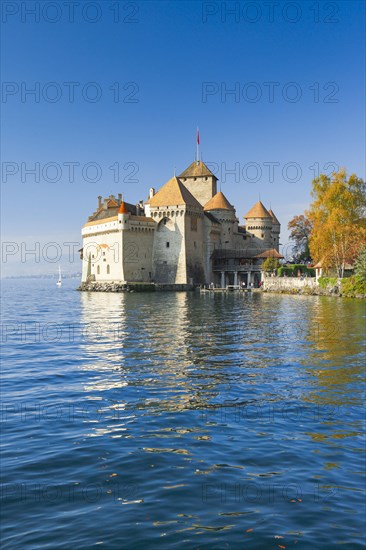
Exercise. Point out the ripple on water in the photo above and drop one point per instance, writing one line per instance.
(175, 420)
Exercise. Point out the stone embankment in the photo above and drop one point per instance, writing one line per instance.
(303, 286)
(131, 287)
(290, 285)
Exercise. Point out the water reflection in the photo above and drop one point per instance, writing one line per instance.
(176, 351)
(336, 357)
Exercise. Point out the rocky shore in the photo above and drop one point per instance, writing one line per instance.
(131, 287)
(103, 287)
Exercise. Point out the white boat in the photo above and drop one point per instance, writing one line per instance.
(59, 280)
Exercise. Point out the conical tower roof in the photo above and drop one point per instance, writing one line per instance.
(218, 202)
(122, 209)
(197, 169)
(173, 192)
(258, 211)
(273, 216)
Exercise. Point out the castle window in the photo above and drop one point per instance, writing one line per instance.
(108, 270)
(195, 244)
(98, 270)
(262, 235)
(103, 253)
(167, 244)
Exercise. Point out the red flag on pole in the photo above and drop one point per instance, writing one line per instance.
(198, 136)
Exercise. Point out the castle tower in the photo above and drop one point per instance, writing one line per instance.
(259, 223)
(199, 181)
(123, 215)
(276, 230)
(177, 252)
(224, 212)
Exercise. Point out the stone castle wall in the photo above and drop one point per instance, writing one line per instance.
(202, 188)
(169, 264)
(138, 242)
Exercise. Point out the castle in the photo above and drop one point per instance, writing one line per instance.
(185, 233)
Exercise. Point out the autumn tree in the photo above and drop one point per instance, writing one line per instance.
(337, 215)
(300, 229)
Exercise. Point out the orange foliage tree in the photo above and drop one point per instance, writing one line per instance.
(337, 214)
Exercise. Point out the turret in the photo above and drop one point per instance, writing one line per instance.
(259, 223)
(123, 215)
(223, 211)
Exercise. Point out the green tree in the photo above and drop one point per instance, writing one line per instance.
(360, 266)
(338, 220)
(270, 264)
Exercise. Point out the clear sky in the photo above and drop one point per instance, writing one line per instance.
(120, 88)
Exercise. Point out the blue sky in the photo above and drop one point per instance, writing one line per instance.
(173, 64)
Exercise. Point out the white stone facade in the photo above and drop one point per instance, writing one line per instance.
(186, 233)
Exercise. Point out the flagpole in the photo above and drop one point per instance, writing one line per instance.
(198, 146)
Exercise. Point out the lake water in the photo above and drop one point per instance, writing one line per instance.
(180, 420)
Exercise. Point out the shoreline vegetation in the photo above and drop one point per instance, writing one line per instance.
(349, 287)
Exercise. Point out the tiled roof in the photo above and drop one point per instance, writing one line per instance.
(102, 212)
(173, 193)
(258, 211)
(241, 253)
(142, 218)
(272, 253)
(275, 220)
(197, 169)
(100, 222)
(218, 202)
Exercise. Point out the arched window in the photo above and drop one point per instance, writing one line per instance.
(98, 270)
(108, 270)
